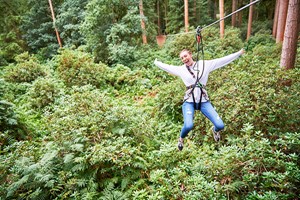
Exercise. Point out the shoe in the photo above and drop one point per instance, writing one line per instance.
(217, 136)
(180, 144)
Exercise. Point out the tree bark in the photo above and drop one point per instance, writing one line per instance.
(289, 47)
(275, 21)
(250, 18)
(158, 19)
(283, 7)
(143, 22)
(234, 8)
(222, 24)
(53, 19)
(186, 15)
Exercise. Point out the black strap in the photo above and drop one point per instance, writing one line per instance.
(189, 69)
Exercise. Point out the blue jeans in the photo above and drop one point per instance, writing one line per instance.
(207, 109)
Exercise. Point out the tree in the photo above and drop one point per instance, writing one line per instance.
(233, 18)
(250, 18)
(53, 19)
(275, 21)
(283, 6)
(289, 48)
(111, 23)
(69, 19)
(175, 16)
(186, 15)
(143, 22)
(11, 41)
(222, 23)
(37, 27)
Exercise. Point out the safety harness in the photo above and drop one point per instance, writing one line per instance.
(196, 68)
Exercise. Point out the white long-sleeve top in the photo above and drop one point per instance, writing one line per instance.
(188, 79)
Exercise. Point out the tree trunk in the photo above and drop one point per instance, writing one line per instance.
(234, 8)
(283, 6)
(53, 18)
(186, 15)
(275, 21)
(195, 11)
(222, 24)
(239, 14)
(143, 22)
(158, 19)
(250, 18)
(289, 47)
(215, 9)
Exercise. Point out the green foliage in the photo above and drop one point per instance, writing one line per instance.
(175, 22)
(70, 16)
(12, 128)
(38, 29)
(43, 92)
(112, 132)
(77, 68)
(260, 38)
(11, 42)
(10, 46)
(27, 69)
(121, 53)
(101, 22)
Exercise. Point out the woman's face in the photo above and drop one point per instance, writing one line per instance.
(186, 58)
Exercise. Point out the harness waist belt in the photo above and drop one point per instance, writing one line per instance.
(197, 85)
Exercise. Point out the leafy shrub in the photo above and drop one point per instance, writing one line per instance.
(43, 92)
(11, 127)
(77, 68)
(27, 69)
(260, 38)
(121, 53)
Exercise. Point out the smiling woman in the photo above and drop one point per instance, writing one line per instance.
(196, 96)
(186, 57)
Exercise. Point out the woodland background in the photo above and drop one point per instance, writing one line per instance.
(91, 117)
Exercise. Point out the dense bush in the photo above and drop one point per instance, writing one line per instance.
(44, 91)
(77, 68)
(27, 69)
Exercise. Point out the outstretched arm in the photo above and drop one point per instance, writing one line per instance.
(221, 62)
(168, 68)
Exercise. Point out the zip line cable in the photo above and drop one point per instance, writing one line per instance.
(246, 6)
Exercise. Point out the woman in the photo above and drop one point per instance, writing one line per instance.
(195, 76)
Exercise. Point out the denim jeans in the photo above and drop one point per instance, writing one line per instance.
(207, 109)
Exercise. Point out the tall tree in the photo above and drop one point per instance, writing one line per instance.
(289, 48)
(37, 27)
(222, 23)
(11, 41)
(69, 19)
(250, 18)
(186, 15)
(233, 17)
(53, 19)
(275, 21)
(283, 7)
(158, 18)
(143, 26)
(175, 16)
